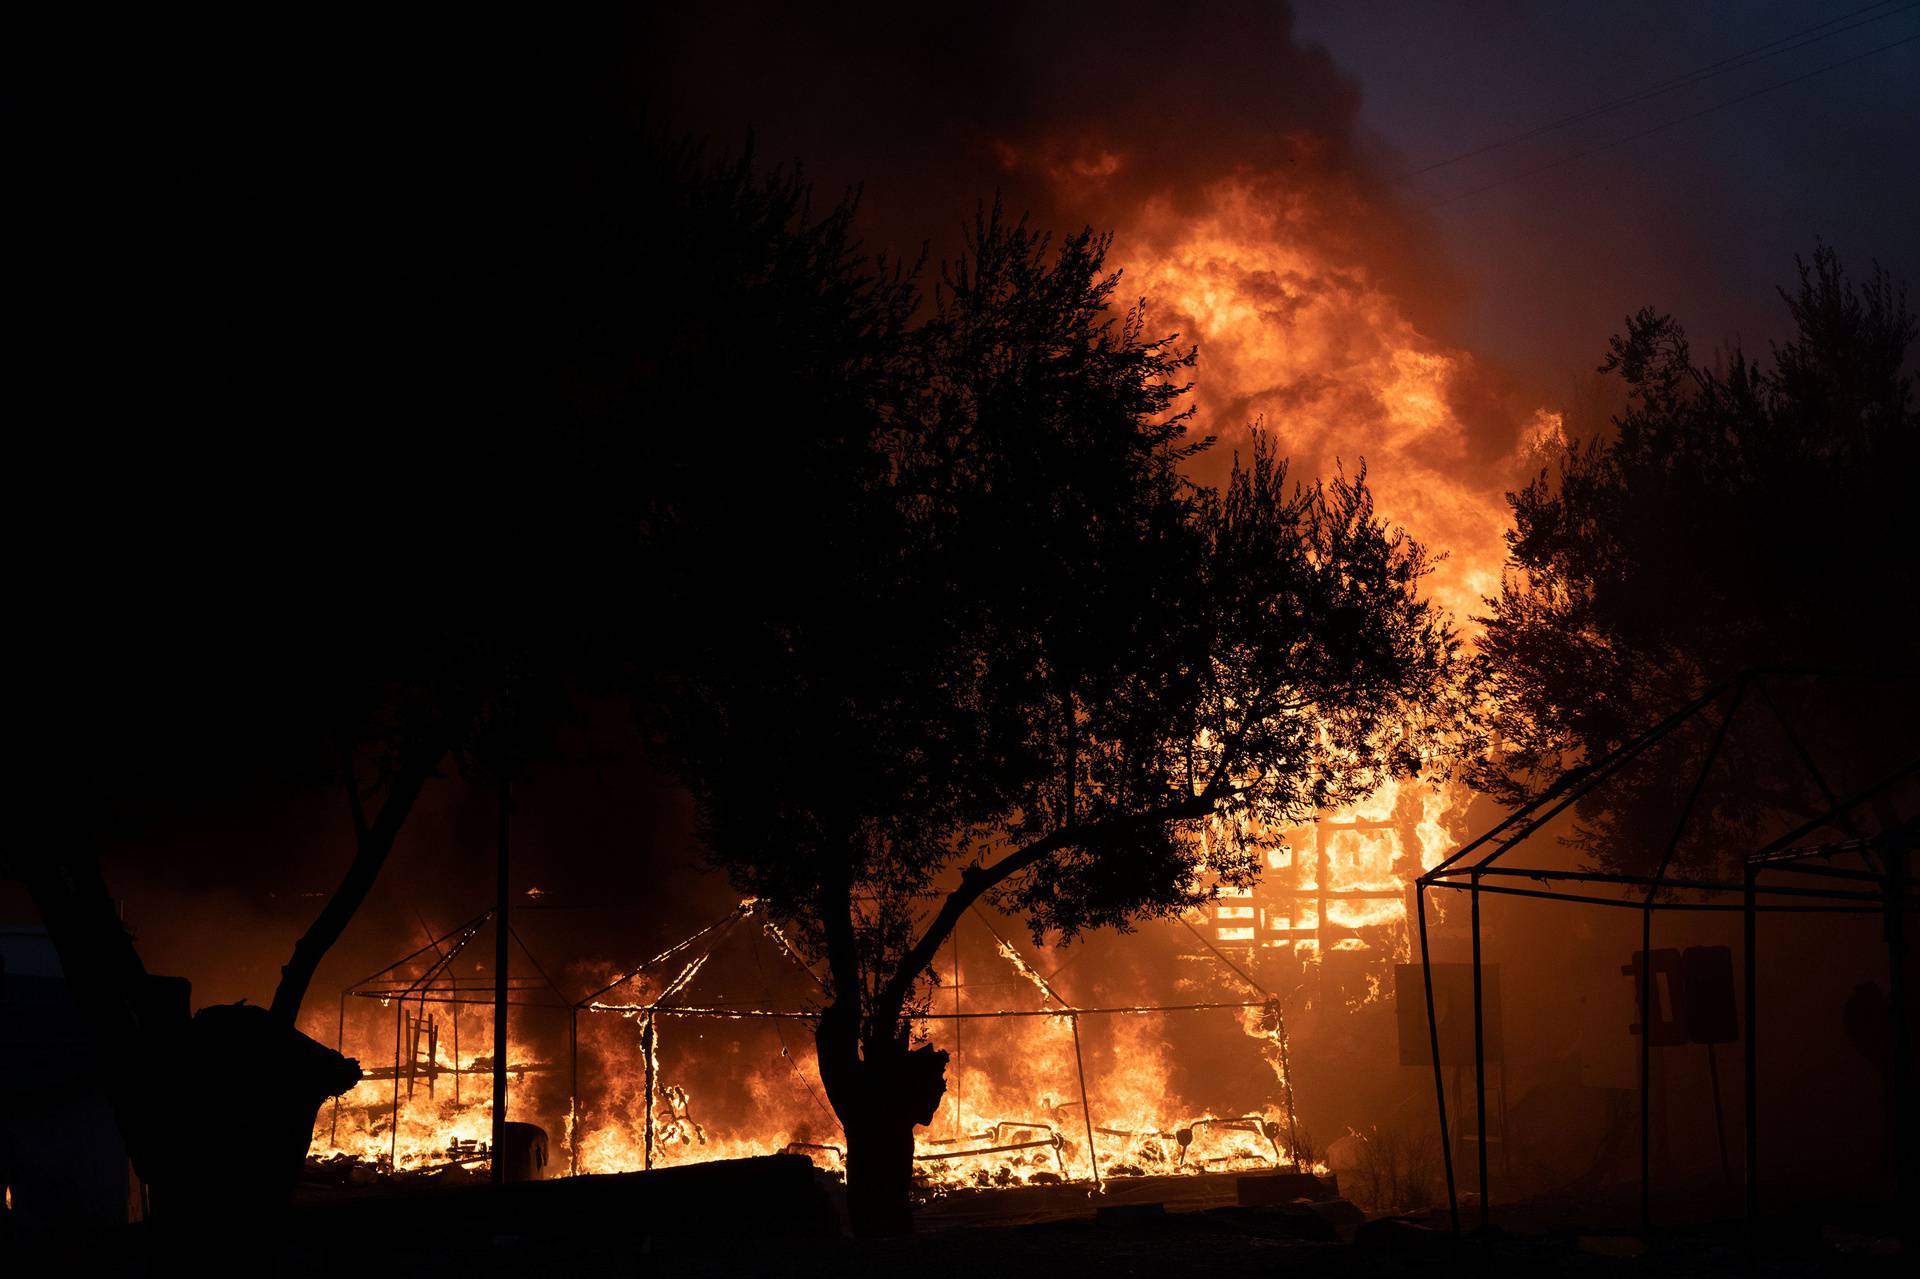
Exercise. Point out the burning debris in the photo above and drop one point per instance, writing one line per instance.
(1342, 885)
(1024, 1106)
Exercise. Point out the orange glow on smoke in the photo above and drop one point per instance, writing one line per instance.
(1294, 329)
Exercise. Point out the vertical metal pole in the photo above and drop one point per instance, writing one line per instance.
(501, 958)
(1719, 1117)
(1086, 1107)
(1900, 1080)
(1506, 1146)
(959, 1109)
(393, 1157)
(1433, 1036)
(1647, 1013)
(1751, 1063)
(573, 1091)
(1320, 877)
(1458, 1092)
(647, 1041)
(339, 1046)
(1479, 1050)
(456, 1052)
(1286, 1075)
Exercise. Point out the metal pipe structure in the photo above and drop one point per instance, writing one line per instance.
(437, 985)
(1890, 896)
(433, 944)
(339, 1046)
(1646, 953)
(1570, 786)
(941, 1156)
(1694, 885)
(668, 953)
(646, 1057)
(651, 1013)
(502, 958)
(1900, 1081)
(1073, 1022)
(393, 1158)
(1286, 1082)
(789, 1014)
(1086, 1108)
(1750, 1058)
(1871, 904)
(1479, 1058)
(1647, 1011)
(959, 1106)
(426, 979)
(1433, 1036)
(1273, 1006)
(486, 1001)
(573, 1092)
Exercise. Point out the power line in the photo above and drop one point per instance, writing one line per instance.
(1669, 124)
(1772, 48)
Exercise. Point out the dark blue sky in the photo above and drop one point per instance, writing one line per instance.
(1699, 219)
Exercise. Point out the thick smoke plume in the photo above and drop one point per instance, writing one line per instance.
(1227, 158)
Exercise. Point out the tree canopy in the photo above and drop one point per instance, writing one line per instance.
(1752, 514)
(945, 621)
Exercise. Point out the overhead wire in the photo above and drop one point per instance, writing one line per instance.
(1662, 127)
(1699, 75)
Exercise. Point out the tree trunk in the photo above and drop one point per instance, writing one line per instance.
(881, 1090)
(236, 1098)
(216, 1110)
(880, 1175)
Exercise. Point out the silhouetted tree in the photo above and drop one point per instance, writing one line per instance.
(376, 717)
(301, 514)
(258, 606)
(1758, 514)
(972, 636)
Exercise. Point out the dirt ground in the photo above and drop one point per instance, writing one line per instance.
(1205, 1242)
(1166, 1228)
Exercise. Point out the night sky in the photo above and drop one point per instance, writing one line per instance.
(1696, 218)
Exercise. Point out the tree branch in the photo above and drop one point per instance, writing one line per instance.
(112, 993)
(977, 881)
(843, 959)
(354, 806)
(371, 848)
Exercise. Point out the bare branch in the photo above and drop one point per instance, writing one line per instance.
(354, 805)
(977, 881)
(369, 856)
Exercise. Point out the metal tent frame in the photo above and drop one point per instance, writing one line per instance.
(1875, 883)
(438, 985)
(717, 932)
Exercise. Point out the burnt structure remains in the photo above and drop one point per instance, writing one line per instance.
(1849, 861)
